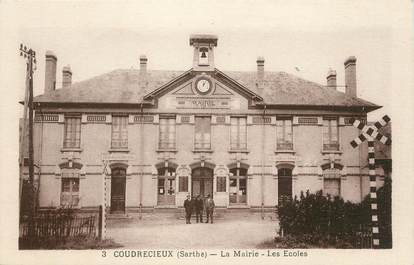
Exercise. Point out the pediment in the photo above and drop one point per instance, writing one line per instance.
(203, 90)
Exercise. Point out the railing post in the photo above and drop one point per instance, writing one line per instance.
(100, 222)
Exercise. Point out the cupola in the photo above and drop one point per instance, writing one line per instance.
(203, 51)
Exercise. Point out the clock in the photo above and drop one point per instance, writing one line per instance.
(203, 85)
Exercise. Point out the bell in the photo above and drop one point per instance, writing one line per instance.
(203, 55)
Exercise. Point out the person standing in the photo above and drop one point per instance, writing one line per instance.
(209, 208)
(188, 206)
(199, 205)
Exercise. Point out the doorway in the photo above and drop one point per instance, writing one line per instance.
(202, 182)
(284, 184)
(118, 185)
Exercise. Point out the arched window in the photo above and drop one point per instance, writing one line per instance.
(284, 182)
(238, 185)
(118, 188)
(332, 182)
(70, 173)
(166, 186)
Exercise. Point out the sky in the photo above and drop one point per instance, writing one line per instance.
(301, 38)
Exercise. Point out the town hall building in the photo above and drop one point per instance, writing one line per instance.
(144, 139)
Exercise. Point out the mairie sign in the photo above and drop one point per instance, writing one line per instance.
(202, 103)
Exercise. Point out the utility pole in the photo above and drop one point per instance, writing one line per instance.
(30, 56)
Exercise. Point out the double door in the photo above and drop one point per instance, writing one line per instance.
(202, 182)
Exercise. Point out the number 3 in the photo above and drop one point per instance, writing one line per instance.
(103, 253)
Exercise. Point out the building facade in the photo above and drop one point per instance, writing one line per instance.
(134, 139)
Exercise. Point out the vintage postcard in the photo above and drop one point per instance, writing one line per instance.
(220, 132)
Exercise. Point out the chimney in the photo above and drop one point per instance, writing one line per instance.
(260, 71)
(143, 71)
(331, 79)
(66, 76)
(143, 65)
(350, 76)
(50, 72)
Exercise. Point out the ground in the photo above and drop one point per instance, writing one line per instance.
(159, 232)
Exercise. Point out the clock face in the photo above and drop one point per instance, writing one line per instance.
(203, 85)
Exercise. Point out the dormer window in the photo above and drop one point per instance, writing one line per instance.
(203, 56)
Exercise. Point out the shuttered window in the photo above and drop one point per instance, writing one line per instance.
(167, 133)
(284, 138)
(202, 135)
(119, 132)
(238, 134)
(330, 135)
(72, 132)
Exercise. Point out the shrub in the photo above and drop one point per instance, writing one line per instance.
(330, 221)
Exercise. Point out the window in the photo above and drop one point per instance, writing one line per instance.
(167, 133)
(330, 135)
(183, 184)
(72, 132)
(119, 132)
(238, 185)
(332, 182)
(70, 192)
(166, 181)
(284, 184)
(284, 139)
(221, 184)
(202, 133)
(238, 135)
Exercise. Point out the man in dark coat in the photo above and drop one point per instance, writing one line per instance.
(199, 205)
(209, 204)
(188, 206)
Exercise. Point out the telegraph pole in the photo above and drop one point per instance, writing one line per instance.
(30, 56)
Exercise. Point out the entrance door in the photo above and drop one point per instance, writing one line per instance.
(202, 182)
(284, 184)
(118, 182)
(238, 186)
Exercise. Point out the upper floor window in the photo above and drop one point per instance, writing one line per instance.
(167, 133)
(284, 138)
(238, 134)
(202, 135)
(72, 132)
(119, 132)
(330, 135)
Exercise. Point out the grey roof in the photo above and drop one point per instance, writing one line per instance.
(279, 88)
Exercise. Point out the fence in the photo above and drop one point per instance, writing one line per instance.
(57, 227)
(363, 237)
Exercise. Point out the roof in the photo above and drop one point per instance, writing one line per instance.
(278, 88)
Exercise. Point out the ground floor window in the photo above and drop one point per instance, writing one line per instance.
(284, 186)
(70, 192)
(166, 186)
(238, 185)
(332, 182)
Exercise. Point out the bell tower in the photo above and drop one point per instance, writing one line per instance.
(203, 44)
